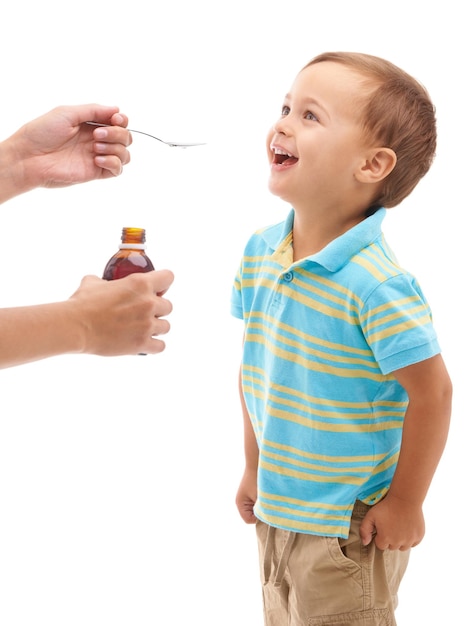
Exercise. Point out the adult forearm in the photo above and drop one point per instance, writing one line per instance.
(12, 178)
(36, 332)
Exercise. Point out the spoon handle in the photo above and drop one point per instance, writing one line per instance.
(141, 132)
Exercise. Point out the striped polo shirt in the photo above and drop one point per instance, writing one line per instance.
(322, 338)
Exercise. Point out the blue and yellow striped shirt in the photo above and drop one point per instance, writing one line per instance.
(322, 338)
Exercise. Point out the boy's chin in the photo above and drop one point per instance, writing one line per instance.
(277, 190)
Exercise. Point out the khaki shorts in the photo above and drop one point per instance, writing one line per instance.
(310, 580)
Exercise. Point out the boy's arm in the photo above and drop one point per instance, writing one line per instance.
(398, 519)
(247, 492)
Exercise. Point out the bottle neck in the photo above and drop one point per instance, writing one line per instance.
(133, 238)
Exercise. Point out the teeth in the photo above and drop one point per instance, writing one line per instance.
(279, 151)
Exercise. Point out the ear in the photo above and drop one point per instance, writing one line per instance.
(377, 165)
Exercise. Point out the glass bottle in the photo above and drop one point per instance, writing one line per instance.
(131, 256)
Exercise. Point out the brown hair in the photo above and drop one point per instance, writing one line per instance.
(399, 114)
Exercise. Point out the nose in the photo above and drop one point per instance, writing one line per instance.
(282, 126)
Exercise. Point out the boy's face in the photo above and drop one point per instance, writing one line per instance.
(317, 145)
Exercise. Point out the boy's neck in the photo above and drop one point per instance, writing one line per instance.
(313, 232)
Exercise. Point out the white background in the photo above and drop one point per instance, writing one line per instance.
(118, 476)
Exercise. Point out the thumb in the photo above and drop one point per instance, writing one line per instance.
(367, 530)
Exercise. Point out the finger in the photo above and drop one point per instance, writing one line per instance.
(164, 307)
(111, 165)
(383, 544)
(250, 516)
(119, 119)
(153, 346)
(247, 515)
(113, 135)
(94, 112)
(161, 281)
(112, 149)
(161, 327)
(156, 282)
(367, 529)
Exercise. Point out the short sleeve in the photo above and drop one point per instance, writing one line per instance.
(397, 324)
(236, 297)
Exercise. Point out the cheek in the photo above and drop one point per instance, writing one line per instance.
(270, 136)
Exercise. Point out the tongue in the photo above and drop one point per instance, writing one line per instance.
(290, 161)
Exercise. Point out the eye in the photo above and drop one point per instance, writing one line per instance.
(285, 110)
(310, 116)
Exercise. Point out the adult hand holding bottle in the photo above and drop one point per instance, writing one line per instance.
(107, 318)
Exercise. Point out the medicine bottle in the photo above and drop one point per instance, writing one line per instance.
(131, 257)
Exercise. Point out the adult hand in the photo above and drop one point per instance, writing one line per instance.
(108, 318)
(60, 149)
(124, 316)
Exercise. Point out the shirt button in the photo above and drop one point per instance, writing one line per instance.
(289, 276)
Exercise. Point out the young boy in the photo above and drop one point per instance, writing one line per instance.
(345, 396)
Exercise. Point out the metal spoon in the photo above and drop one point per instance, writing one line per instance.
(172, 144)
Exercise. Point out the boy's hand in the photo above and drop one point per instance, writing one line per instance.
(394, 523)
(247, 496)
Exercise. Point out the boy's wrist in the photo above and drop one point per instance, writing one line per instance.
(402, 500)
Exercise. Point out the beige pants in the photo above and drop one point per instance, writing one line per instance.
(318, 581)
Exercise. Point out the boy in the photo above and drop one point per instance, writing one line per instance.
(345, 396)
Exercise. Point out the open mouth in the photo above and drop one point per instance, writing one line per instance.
(280, 157)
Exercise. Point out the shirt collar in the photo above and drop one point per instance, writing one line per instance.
(338, 252)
